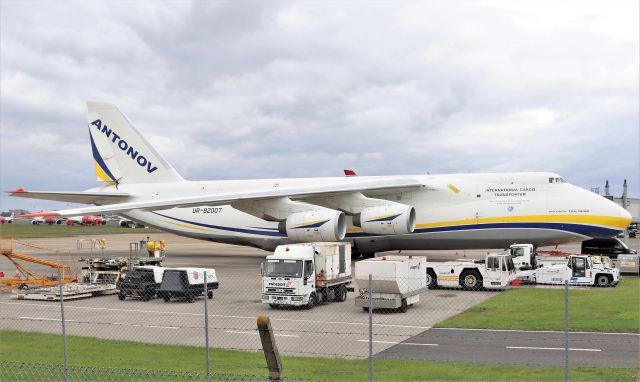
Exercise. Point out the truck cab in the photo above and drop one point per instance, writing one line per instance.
(496, 271)
(524, 256)
(306, 274)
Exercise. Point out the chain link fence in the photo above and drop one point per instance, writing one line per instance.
(379, 326)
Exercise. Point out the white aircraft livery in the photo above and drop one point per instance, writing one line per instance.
(378, 213)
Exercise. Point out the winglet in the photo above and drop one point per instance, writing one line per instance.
(349, 173)
(37, 214)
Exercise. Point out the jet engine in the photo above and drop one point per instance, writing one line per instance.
(393, 219)
(318, 225)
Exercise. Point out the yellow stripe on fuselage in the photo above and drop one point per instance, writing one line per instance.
(186, 225)
(605, 221)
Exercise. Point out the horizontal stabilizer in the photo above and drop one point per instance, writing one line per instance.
(73, 196)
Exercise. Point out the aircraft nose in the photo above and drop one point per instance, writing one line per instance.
(616, 211)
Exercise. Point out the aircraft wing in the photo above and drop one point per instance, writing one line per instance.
(239, 195)
(71, 196)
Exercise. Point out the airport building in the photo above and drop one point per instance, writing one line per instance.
(630, 204)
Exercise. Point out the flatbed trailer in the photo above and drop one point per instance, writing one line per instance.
(72, 291)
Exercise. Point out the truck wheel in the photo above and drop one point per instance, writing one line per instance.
(273, 306)
(121, 296)
(470, 280)
(210, 294)
(403, 306)
(312, 301)
(602, 280)
(432, 279)
(191, 298)
(365, 308)
(166, 297)
(146, 296)
(341, 293)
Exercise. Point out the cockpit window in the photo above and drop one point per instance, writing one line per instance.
(557, 180)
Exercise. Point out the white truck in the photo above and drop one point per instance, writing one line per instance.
(306, 274)
(524, 256)
(577, 270)
(396, 281)
(495, 272)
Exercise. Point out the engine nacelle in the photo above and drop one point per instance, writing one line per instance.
(318, 225)
(394, 219)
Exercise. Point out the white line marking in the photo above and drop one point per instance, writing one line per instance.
(536, 348)
(277, 335)
(220, 316)
(44, 319)
(239, 332)
(535, 331)
(398, 343)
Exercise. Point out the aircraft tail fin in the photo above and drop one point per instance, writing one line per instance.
(120, 153)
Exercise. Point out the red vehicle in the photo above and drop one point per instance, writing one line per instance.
(86, 220)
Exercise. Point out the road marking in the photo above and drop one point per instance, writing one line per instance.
(536, 348)
(110, 323)
(220, 316)
(44, 319)
(534, 331)
(398, 343)
(277, 335)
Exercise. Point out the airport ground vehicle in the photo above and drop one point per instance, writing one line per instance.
(494, 272)
(306, 274)
(187, 283)
(141, 282)
(611, 247)
(396, 281)
(577, 270)
(524, 256)
(629, 263)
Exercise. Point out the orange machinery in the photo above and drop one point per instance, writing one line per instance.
(26, 276)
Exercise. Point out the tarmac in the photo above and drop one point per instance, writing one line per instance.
(330, 330)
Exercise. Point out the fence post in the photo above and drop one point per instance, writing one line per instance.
(370, 331)
(64, 329)
(206, 324)
(566, 330)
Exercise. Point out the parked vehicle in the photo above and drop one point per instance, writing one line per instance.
(629, 263)
(576, 270)
(611, 247)
(396, 281)
(524, 256)
(187, 283)
(495, 272)
(142, 282)
(306, 274)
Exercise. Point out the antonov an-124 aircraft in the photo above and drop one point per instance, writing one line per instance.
(374, 213)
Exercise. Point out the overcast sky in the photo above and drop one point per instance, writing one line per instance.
(240, 89)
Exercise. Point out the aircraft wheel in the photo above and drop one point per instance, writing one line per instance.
(273, 306)
(121, 296)
(210, 295)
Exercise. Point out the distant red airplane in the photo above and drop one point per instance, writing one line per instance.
(86, 220)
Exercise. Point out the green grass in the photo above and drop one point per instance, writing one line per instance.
(20, 231)
(91, 352)
(594, 310)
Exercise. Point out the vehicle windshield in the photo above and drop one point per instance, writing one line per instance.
(517, 252)
(283, 268)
